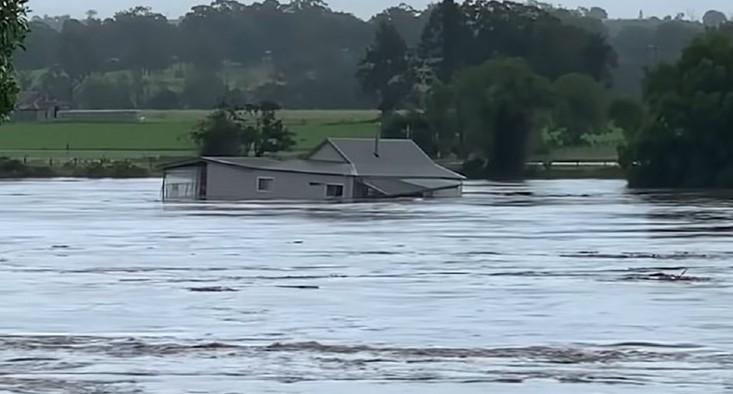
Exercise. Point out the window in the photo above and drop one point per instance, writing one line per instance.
(334, 191)
(265, 184)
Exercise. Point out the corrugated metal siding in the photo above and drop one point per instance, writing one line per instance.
(234, 183)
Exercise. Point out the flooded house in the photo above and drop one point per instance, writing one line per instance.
(339, 169)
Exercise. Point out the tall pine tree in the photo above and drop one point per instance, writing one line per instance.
(385, 69)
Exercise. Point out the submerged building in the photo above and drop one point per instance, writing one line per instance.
(339, 169)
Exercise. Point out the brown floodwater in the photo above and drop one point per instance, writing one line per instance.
(567, 286)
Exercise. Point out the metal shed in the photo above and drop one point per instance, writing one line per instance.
(338, 169)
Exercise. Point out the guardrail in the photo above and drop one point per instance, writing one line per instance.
(574, 163)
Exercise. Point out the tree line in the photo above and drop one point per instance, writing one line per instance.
(483, 81)
(491, 81)
(302, 54)
(486, 78)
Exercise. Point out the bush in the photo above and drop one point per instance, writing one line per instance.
(14, 169)
(98, 92)
(202, 90)
(412, 125)
(164, 99)
(111, 169)
(220, 134)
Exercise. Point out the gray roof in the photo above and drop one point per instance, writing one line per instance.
(304, 166)
(397, 158)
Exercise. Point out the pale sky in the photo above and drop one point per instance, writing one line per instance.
(367, 8)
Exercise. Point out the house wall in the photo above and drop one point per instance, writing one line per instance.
(328, 153)
(182, 183)
(235, 183)
(448, 193)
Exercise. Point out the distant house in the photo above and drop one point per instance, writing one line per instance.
(339, 169)
(35, 107)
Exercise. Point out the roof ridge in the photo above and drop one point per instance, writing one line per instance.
(369, 139)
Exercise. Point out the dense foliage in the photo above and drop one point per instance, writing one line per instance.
(302, 54)
(13, 28)
(253, 129)
(498, 105)
(481, 81)
(688, 140)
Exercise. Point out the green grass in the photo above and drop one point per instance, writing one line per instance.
(595, 153)
(161, 134)
(95, 136)
(166, 134)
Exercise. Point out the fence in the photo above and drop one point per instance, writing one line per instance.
(70, 160)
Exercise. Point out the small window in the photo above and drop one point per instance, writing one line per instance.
(334, 191)
(265, 184)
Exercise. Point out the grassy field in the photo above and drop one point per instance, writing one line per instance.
(165, 134)
(161, 134)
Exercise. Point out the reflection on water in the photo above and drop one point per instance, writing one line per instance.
(547, 286)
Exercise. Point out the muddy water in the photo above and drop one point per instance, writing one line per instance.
(553, 286)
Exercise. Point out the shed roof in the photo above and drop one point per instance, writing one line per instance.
(395, 158)
(34, 101)
(304, 166)
(258, 163)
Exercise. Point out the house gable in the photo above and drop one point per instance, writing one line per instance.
(328, 152)
(399, 158)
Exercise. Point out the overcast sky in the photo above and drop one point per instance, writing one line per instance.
(367, 8)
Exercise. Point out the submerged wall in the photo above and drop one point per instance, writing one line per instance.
(236, 183)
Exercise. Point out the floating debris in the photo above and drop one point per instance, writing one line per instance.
(665, 277)
(299, 287)
(637, 255)
(213, 289)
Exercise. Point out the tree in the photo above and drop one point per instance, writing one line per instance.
(627, 114)
(250, 130)
(580, 108)
(411, 125)
(55, 84)
(498, 105)
(203, 89)
(672, 38)
(384, 70)
(714, 18)
(77, 53)
(302, 5)
(406, 19)
(442, 118)
(688, 141)
(40, 48)
(599, 59)
(164, 98)
(145, 40)
(220, 134)
(13, 29)
(99, 92)
(264, 132)
(202, 31)
(445, 40)
(598, 13)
